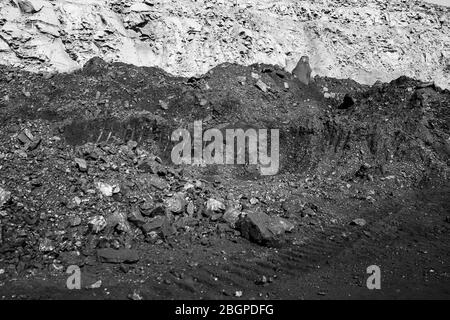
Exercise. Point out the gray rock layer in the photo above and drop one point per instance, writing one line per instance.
(365, 40)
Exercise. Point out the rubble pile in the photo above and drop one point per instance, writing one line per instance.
(86, 176)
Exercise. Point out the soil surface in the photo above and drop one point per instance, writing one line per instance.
(86, 179)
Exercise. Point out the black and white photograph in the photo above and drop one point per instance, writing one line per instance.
(222, 157)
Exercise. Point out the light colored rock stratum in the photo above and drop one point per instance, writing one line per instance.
(366, 40)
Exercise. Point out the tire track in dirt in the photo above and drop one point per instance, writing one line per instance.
(290, 262)
(386, 228)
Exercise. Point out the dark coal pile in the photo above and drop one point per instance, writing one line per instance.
(87, 180)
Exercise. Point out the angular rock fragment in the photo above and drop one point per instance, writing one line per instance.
(153, 166)
(176, 203)
(213, 205)
(118, 220)
(261, 86)
(24, 137)
(146, 208)
(5, 196)
(303, 70)
(82, 164)
(231, 216)
(293, 205)
(358, 222)
(262, 229)
(46, 245)
(158, 182)
(28, 140)
(136, 218)
(157, 211)
(156, 224)
(190, 208)
(132, 145)
(105, 189)
(95, 285)
(241, 79)
(110, 255)
(97, 224)
(74, 221)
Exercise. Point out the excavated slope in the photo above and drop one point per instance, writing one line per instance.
(366, 40)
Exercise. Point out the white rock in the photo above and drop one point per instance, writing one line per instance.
(97, 224)
(214, 205)
(359, 222)
(95, 285)
(4, 46)
(231, 216)
(140, 7)
(105, 189)
(4, 196)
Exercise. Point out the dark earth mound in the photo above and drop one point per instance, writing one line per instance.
(87, 180)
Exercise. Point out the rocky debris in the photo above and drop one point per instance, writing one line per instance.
(164, 105)
(231, 216)
(135, 296)
(154, 166)
(158, 182)
(261, 86)
(213, 209)
(190, 208)
(5, 196)
(263, 280)
(110, 255)
(46, 245)
(97, 224)
(213, 205)
(65, 35)
(302, 70)
(156, 224)
(95, 285)
(308, 212)
(136, 218)
(176, 203)
(105, 189)
(133, 197)
(347, 103)
(82, 164)
(119, 221)
(241, 80)
(263, 229)
(159, 210)
(29, 142)
(358, 222)
(295, 206)
(75, 221)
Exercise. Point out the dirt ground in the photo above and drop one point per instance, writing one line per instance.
(381, 159)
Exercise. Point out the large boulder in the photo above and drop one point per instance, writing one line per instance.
(260, 228)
